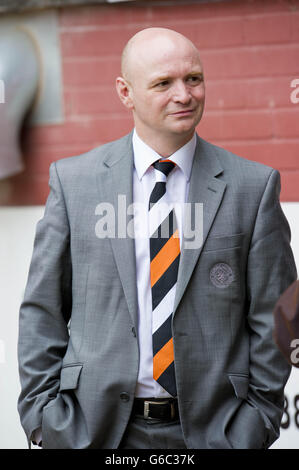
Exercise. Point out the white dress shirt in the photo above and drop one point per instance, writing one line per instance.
(177, 192)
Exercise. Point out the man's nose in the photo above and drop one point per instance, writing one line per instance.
(181, 93)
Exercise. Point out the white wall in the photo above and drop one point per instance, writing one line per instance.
(17, 228)
(289, 437)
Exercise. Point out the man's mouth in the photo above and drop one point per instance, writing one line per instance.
(183, 112)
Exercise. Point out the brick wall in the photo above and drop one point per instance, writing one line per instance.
(250, 52)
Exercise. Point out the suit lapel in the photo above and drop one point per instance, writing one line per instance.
(115, 184)
(206, 189)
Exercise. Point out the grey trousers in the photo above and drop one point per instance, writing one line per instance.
(152, 434)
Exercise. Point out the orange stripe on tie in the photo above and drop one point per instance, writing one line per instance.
(165, 257)
(163, 359)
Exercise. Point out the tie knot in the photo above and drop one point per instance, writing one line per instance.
(165, 166)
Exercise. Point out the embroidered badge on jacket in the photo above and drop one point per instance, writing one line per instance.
(221, 275)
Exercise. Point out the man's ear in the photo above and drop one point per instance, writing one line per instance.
(123, 89)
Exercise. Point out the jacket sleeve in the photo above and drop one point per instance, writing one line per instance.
(45, 310)
(270, 270)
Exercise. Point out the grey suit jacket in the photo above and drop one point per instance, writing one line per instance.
(78, 351)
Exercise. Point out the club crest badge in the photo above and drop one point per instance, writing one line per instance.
(221, 275)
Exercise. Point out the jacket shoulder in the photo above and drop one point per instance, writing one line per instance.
(243, 166)
(92, 158)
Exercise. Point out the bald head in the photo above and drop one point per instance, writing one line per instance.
(162, 84)
(151, 39)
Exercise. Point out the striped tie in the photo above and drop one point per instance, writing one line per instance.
(164, 256)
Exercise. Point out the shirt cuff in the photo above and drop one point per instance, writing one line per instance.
(37, 437)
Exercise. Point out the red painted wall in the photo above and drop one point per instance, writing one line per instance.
(250, 52)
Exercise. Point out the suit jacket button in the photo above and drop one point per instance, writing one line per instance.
(124, 396)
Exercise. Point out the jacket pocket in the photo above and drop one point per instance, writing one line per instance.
(224, 242)
(69, 377)
(240, 383)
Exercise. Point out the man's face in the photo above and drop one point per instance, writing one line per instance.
(167, 90)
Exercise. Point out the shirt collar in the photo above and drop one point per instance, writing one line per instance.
(145, 156)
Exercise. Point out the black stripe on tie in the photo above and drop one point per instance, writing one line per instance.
(162, 234)
(162, 335)
(158, 191)
(164, 167)
(165, 283)
(167, 378)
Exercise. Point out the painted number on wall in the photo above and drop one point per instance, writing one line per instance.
(287, 415)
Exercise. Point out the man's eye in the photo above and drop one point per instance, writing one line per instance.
(163, 83)
(195, 79)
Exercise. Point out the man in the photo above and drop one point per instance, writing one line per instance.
(286, 323)
(155, 340)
